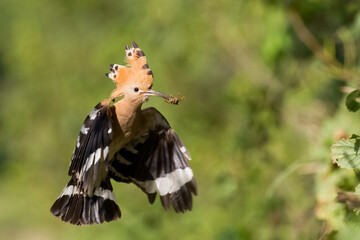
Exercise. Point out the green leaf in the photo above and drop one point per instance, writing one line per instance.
(346, 153)
(357, 190)
(352, 101)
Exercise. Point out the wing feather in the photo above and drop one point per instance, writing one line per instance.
(92, 146)
(158, 163)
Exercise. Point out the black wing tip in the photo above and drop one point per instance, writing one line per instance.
(151, 197)
(192, 186)
(85, 210)
(111, 211)
(181, 200)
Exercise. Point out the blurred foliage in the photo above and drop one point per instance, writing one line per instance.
(262, 109)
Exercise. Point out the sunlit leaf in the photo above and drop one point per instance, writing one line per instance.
(346, 153)
(352, 101)
(357, 190)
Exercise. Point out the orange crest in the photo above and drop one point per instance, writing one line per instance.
(136, 72)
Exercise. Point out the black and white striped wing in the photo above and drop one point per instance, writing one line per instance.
(92, 146)
(88, 197)
(157, 162)
(79, 208)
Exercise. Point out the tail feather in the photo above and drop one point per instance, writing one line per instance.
(77, 213)
(79, 208)
(85, 216)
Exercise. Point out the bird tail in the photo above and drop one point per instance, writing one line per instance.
(79, 208)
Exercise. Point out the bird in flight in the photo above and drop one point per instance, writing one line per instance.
(121, 141)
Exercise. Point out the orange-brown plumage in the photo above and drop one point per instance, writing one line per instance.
(136, 72)
(127, 144)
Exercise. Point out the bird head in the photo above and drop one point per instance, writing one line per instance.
(135, 80)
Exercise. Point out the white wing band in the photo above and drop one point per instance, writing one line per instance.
(168, 184)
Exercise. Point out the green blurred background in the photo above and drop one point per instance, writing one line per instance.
(260, 112)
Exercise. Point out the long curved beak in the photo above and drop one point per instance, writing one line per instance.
(168, 99)
(151, 92)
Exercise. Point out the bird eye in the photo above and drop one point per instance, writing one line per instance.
(136, 89)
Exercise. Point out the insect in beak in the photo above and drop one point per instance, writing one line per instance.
(168, 99)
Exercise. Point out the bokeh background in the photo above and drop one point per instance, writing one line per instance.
(264, 83)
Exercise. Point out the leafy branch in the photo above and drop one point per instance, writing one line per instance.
(338, 191)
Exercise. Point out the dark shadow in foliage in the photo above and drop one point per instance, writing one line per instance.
(3, 158)
(356, 146)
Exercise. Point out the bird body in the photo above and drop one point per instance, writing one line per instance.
(123, 142)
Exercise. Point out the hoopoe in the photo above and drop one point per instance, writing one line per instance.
(120, 141)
